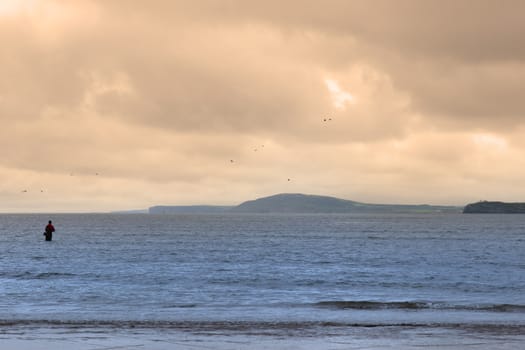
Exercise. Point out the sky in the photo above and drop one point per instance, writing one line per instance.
(122, 104)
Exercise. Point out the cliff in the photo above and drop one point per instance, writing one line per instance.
(486, 207)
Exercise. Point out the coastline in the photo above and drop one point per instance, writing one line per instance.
(43, 336)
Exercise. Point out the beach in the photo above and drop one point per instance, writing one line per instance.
(195, 336)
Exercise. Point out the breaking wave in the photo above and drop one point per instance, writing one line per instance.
(256, 327)
(415, 305)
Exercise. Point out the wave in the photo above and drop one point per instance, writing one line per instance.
(416, 305)
(180, 306)
(31, 275)
(264, 327)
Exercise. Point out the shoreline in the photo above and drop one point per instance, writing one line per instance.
(195, 335)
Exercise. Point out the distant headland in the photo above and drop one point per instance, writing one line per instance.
(493, 207)
(304, 204)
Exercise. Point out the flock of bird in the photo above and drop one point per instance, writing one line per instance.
(42, 191)
(325, 120)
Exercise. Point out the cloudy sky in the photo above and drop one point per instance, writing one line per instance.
(122, 104)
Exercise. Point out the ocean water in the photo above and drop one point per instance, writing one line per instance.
(292, 274)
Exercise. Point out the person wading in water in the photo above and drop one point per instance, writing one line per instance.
(49, 231)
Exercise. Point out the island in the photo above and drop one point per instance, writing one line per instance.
(494, 207)
(304, 204)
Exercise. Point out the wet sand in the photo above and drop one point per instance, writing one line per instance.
(41, 337)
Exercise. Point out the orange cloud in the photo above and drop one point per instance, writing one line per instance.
(381, 101)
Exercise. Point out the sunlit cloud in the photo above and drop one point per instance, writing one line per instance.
(490, 141)
(340, 98)
(16, 7)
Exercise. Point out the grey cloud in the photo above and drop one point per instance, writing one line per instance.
(252, 66)
(166, 92)
(34, 77)
(471, 29)
(459, 60)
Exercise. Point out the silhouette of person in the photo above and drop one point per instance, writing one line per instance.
(49, 231)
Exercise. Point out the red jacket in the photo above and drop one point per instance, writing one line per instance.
(50, 228)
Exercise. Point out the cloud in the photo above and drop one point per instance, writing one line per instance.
(381, 100)
(457, 60)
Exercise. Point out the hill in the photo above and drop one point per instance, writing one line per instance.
(302, 203)
(494, 207)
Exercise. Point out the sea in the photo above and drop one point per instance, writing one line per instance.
(312, 281)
